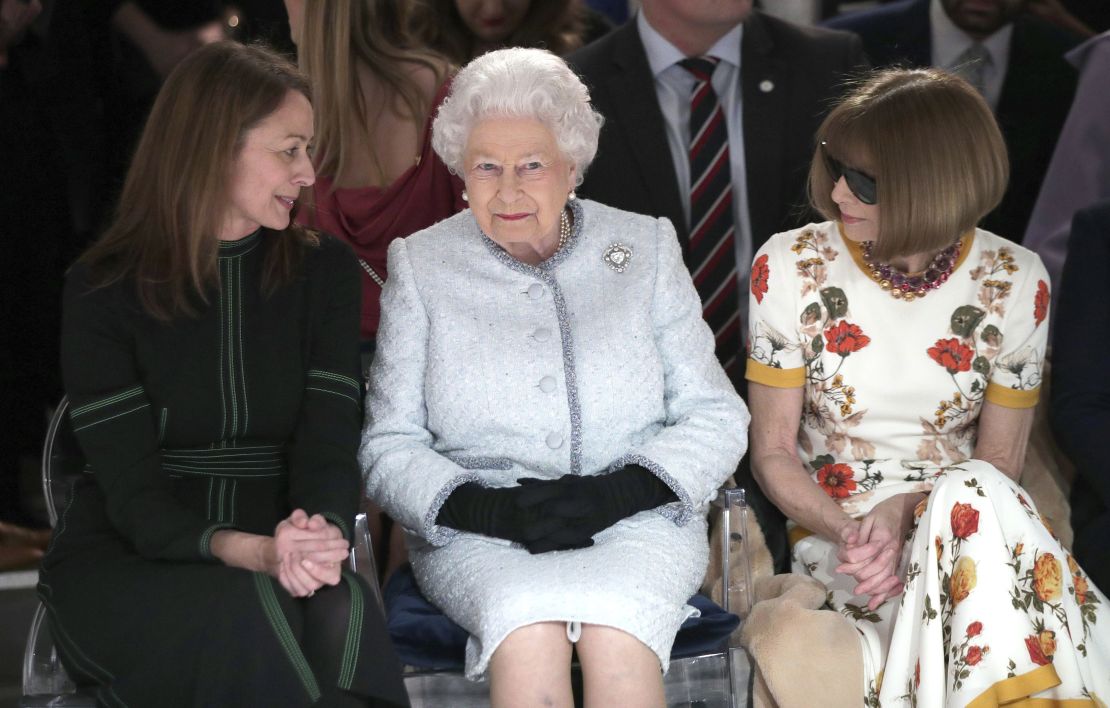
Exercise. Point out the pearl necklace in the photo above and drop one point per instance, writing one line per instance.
(564, 230)
(903, 286)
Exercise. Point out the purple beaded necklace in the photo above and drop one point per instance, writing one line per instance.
(908, 287)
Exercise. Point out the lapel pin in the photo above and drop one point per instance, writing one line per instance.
(766, 86)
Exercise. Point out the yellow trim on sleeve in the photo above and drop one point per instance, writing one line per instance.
(1011, 398)
(779, 378)
(1016, 692)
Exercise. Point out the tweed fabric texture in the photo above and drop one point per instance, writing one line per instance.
(489, 369)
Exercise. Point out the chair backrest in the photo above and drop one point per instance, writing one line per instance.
(736, 572)
(62, 460)
(45, 681)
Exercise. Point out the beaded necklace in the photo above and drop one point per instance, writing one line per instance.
(908, 287)
(564, 230)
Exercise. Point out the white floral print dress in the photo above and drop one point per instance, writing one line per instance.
(995, 610)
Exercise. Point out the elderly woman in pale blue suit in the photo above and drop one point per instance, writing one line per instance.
(547, 418)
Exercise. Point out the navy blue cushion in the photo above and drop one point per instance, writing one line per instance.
(424, 637)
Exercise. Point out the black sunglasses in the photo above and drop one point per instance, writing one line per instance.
(862, 185)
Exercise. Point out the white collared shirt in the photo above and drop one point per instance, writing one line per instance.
(673, 87)
(949, 42)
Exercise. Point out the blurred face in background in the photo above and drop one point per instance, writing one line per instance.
(491, 21)
(982, 18)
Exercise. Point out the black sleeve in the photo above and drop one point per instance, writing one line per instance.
(324, 475)
(115, 425)
(1080, 342)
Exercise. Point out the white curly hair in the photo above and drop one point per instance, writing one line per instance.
(518, 83)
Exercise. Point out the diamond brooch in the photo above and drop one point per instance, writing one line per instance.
(617, 257)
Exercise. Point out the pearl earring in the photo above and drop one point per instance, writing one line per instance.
(465, 197)
(572, 196)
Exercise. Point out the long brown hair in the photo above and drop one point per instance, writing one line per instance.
(934, 148)
(554, 25)
(335, 37)
(165, 232)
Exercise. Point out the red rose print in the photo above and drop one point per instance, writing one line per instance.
(1040, 302)
(836, 480)
(965, 521)
(974, 655)
(1033, 646)
(843, 338)
(761, 273)
(974, 628)
(952, 355)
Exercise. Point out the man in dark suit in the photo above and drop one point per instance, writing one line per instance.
(773, 82)
(1024, 76)
(1080, 410)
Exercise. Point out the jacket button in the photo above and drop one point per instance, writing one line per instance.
(547, 385)
(542, 334)
(554, 440)
(535, 291)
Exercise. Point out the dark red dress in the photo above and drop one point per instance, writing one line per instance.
(369, 218)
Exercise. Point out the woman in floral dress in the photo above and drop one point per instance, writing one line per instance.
(894, 367)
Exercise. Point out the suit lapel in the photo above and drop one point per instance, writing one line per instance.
(637, 113)
(765, 93)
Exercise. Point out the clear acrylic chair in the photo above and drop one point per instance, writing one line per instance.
(45, 680)
(712, 680)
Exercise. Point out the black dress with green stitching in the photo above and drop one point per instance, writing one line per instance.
(229, 419)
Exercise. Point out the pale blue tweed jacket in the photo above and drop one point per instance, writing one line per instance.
(488, 369)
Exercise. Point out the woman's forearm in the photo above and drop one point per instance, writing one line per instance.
(789, 486)
(249, 551)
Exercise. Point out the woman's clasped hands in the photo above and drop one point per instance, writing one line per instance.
(555, 514)
(870, 548)
(309, 553)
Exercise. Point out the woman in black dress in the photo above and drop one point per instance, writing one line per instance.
(210, 354)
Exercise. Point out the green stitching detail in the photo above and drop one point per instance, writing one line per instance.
(220, 504)
(220, 358)
(231, 352)
(354, 635)
(239, 327)
(234, 492)
(285, 635)
(208, 509)
(106, 401)
(162, 425)
(111, 417)
(204, 545)
(335, 377)
(334, 393)
(225, 452)
(338, 521)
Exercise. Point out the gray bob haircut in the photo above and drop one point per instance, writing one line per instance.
(518, 83)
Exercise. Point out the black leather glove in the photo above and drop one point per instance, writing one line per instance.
(589, 504)
(498, 512)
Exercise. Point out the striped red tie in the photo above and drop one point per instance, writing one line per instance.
(711, 257)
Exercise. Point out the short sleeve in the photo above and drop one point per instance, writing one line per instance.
(774, 352)
(1016, 377)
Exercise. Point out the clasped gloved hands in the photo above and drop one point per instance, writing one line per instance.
(555, 515)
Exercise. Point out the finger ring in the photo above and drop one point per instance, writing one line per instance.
(311, 594)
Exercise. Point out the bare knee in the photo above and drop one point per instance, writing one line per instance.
(531, 667)
(618, 669)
